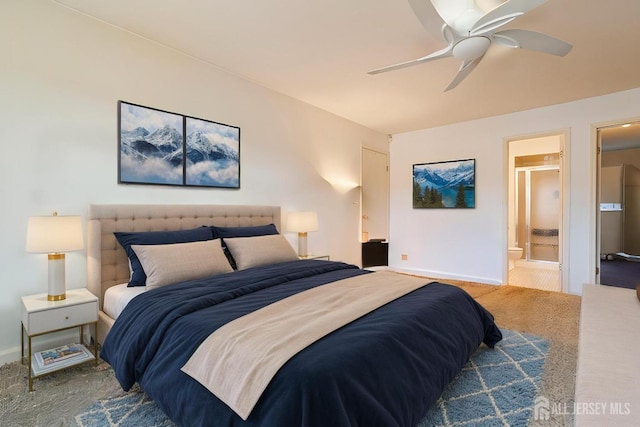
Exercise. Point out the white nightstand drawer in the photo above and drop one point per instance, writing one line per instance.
(63, 317)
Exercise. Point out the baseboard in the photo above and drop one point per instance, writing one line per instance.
(377, 268)
(9, 355)
(439, 275)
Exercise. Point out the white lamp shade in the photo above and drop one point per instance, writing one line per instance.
(302, 222)
(54, 234)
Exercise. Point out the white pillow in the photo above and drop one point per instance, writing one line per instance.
(260, 250)
(178, 262)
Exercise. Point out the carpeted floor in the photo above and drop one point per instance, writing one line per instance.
(59, 397)
(620, 272)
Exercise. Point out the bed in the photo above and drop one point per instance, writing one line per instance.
(385, 367)
(107, 262)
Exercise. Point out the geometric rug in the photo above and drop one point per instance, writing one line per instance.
(131, 410)
(497, 387)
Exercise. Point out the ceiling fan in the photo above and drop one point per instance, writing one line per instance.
(469, 32)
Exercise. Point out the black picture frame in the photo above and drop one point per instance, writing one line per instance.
(158, 147)
(444, 185)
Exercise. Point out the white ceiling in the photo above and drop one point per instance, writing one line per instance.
(320, 51)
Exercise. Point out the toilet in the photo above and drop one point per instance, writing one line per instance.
(514, 254)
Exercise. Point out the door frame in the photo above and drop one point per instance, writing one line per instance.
(596, 164)
(565, 194)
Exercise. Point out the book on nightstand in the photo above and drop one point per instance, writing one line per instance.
(59, 357)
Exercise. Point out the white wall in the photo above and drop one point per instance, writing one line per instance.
(61, 76)
(471, 244)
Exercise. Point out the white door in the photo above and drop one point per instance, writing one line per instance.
(375, 194)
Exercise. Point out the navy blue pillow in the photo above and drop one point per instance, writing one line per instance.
(256, 230)
(251, 231)
(138, 278)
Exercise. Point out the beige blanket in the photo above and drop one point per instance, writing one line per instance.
(237, 362)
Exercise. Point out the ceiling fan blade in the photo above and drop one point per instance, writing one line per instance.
(428, 16)
(503, 14)
(442, 53)
(465, 69)
(532, 40)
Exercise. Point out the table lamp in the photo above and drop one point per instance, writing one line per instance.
(302, 222)
(55, 235)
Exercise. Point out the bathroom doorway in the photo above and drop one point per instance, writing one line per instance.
(535, 212)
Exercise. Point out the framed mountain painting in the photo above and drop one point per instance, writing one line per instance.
(164, 148)
(212, 154)
(151, 145)
(450, 184)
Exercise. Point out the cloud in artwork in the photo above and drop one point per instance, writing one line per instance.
(213, 173)
(152, 170)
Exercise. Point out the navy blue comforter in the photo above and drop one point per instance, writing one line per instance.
(385, 369)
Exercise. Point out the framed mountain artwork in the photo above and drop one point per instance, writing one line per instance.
(151, 146)
(213, 150)
(163, 148)
(450, 184)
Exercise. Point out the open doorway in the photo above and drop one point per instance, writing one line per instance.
(535, 212)
(374, 222)
(619, 205)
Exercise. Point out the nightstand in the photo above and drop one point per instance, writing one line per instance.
(311, 256)
(41, 317)
(375, 254)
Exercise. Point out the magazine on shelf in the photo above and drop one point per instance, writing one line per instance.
(59, 357)
(56, 355)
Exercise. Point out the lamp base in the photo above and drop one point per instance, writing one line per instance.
(56, 297)
(56, 277)
(302, 245)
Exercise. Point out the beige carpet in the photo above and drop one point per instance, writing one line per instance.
(60, 396)
(551, 315)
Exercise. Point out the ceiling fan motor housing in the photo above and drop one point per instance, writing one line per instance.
(471, 48)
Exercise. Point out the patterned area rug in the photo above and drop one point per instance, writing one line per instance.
(132, 410)
(496, 388)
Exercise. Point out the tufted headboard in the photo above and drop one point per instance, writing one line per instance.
(107, 263)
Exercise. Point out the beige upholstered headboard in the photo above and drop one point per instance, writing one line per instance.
(107, 263)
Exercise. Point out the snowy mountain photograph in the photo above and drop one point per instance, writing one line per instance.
(159, 147)
(449, 184)
(213, 157)
(151, 146)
